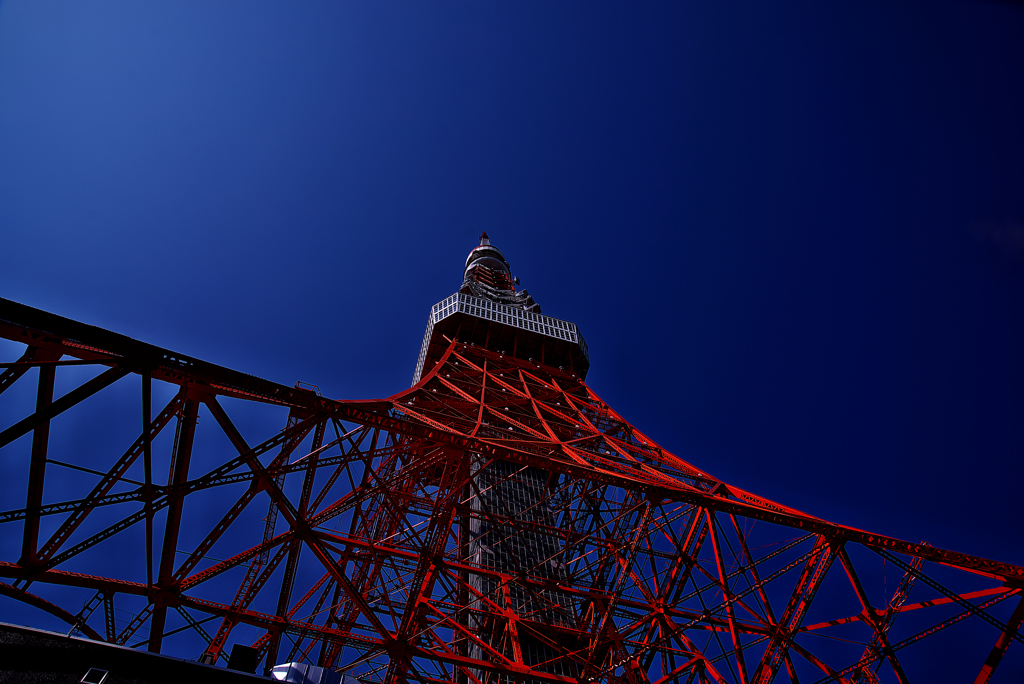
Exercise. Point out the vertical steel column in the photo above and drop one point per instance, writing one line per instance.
(460, 641)
(147, 456)
(37, 466)
(108, 617)
(178, 474)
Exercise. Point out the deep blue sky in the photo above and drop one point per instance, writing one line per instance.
(792, 233)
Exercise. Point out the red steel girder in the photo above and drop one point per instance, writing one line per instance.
(653, 583)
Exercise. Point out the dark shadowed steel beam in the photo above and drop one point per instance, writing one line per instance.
(37, 466)
(180, 459)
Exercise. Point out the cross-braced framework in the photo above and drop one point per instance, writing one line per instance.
(496, 522)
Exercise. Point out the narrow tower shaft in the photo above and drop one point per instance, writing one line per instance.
(488, 311)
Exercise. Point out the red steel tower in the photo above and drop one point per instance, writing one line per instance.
(495, 522)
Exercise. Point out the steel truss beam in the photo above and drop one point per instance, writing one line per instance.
(643, 568)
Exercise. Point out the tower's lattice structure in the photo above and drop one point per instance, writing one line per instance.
(495, 522)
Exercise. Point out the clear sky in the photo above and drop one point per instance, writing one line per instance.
(791, 233)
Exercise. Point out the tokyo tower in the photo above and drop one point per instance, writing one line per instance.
(496, 522)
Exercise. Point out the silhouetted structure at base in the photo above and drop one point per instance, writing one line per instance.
(33, 656)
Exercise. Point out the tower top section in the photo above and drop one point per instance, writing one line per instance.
(487, 255)
(490, 311)
(488, 275)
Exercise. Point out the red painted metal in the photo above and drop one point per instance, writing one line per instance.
(660, 572)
